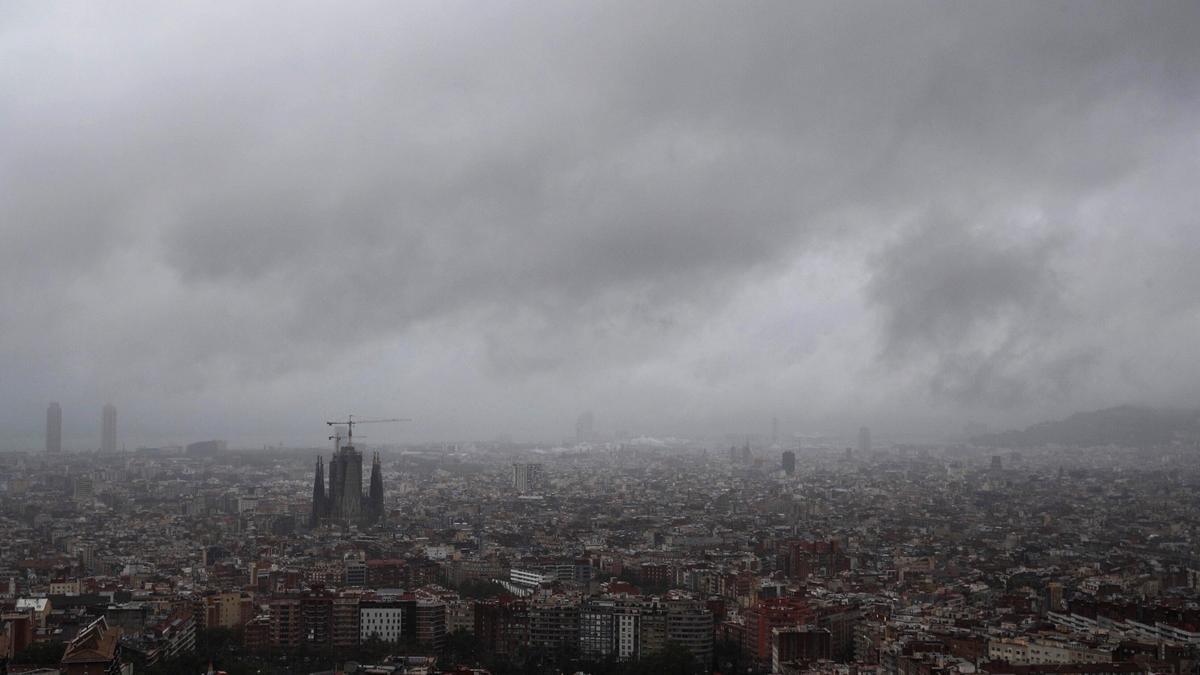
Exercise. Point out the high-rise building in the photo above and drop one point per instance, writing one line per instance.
(431, 622)
(84, 489)
(597, 634)
(54, 427)
(345, 629)
(554, 628)
(766, 615)
(387, 620)
(585, 426)
(355, 563)
(316, 613)
(864, 440)
(789, 462)
(628, 628)
(502, 624)
(286, 614)
(690, 625)
(108, 429)
(526, 477)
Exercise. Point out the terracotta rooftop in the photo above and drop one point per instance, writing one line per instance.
(95, 644)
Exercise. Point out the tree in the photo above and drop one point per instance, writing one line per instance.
(44, 653)
(462, 647)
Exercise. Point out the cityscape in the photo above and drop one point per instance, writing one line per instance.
(601, 337)
(773, 555)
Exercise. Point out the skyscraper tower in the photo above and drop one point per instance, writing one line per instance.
(789, 462)
(54, 427)
(864, 440)
(108, 429)
(527, 477)
(585, 426)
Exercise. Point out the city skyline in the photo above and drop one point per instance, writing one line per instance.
(835, 337)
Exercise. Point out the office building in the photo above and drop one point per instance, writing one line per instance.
(585, 426)
(554, 628)
(864, 440)
(430, 616)
(84, 489)
(789, 462)
(765, 616)
(387, 620)
(108, 429)
(527, 477)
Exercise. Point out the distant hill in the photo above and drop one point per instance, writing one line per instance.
(1130, 426)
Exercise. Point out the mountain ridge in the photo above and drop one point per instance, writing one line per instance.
(1125, 425)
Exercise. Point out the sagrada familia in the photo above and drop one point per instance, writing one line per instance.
(344, 501)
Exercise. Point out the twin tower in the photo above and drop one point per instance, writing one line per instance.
(344, 501)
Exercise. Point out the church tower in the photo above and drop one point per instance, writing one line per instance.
(375, 495)
(343, 501)
(318, 496)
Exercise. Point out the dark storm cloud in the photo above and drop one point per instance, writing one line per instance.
(983, 304)
(530, 210)
(946, 279)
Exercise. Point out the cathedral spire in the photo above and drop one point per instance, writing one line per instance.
(318, 496)
(375, 493)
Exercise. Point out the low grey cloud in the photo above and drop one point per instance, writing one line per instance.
(235, 220)
(980, 308)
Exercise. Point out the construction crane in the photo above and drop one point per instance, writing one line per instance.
(350, 422)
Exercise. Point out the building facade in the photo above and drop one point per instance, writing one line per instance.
(108, 429)
(527, 477)
(389, 621)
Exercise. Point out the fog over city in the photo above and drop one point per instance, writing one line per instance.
(237, 220)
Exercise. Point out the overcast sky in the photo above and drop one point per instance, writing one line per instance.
(235, 219)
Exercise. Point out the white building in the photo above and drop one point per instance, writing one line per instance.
(387, 621)
(527, 477)
(1023, 652)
